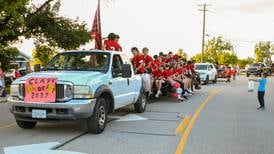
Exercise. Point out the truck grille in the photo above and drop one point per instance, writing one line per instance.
(63, 92)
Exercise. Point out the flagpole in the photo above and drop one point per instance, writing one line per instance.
(99, 14)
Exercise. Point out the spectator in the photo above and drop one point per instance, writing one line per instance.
(261, 90)
(228, 74)
(234, 73)
(17, 73)
(2, 83)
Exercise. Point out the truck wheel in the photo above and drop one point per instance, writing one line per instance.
(215, 79)
(247, 75)
(140, 105)
(207, 80)
(97, 122)
(26, 124)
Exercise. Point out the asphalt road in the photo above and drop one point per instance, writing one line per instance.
(220, 118)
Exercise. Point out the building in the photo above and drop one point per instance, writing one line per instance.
(22, 60)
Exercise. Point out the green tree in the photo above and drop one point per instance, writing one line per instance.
(7, 54)
(243, 62)
(263, 52)
(21, 19)
(216, 47)
(218, 51)
(42, 54)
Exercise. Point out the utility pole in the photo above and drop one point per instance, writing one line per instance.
(204, 9)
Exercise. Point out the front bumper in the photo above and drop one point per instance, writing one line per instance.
(253, 72)
(203, 77)
(71, 110)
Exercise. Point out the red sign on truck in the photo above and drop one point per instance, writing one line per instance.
(40, 90)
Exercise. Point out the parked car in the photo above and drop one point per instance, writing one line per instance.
(257, 69)
(221, 73)
(78, 85)
(207, 72)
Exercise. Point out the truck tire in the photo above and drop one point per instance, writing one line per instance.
(207, 80)
(97, 122)
(215, 79)
(247, 75)
(140, 105)
(26, 124)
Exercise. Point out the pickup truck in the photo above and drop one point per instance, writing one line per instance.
(78, 85)
(258, 69)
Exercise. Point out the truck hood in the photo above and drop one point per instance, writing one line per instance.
(76, 77)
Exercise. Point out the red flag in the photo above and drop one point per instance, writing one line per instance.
(96, 29)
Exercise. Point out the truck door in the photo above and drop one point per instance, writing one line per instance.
(119, 86)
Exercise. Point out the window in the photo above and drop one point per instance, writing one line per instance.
(83, 61)
(117, 62)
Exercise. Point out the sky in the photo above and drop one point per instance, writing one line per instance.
(167, 25)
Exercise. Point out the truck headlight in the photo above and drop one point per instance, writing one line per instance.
(82, 92)
(14, 90)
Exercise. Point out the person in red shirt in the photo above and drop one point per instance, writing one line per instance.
(112, 45)
(157, 62)
(159, 79)
(228, 74)
(17, 73)
(234, 72)
(138, 61)
(148, 60)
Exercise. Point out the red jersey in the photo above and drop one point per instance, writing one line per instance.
(157, 73)
(180, 71)
(137, 61)
(112, 45)
(167, 73)
(17, 74)
(147, 59)
(233, 71)
(156, 64)
(228, 72)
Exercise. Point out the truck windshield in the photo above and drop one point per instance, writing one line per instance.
(201, 67)
(80, 61)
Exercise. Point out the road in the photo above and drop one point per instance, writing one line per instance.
(220, 118)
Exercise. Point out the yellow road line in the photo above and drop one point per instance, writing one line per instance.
(182, 125)
(7, 126)
(182, 143)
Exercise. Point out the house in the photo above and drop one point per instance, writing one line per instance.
(22, 60)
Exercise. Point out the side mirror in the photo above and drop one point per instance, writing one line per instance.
(126, 71)
(37, 68)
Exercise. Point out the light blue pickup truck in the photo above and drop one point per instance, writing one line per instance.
(81, 85)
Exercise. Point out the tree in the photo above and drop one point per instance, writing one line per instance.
(243, 62)
(42, 54)
(7, 54)
(22, 18)
(218, 51)
(263, 52)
